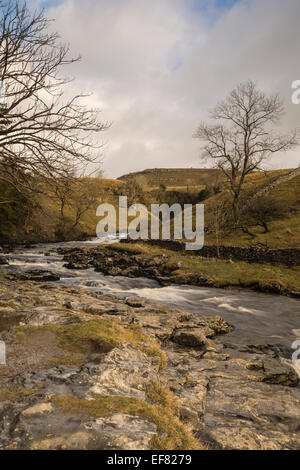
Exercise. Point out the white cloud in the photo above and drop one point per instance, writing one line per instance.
(156, 66)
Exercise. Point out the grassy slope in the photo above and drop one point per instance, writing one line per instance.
(283, 233)
(47, 218)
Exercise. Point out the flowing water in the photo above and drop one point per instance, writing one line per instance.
(257, 318)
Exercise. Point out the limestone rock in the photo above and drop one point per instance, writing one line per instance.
(276, 372)
(123, 432)
(124, 371)
(193, 337)
(230, 395)
(38, 409)
(246, 415)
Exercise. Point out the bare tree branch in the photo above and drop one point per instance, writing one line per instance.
(242, 139)
(42, 132)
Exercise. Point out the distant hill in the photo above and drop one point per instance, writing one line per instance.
(174, 178)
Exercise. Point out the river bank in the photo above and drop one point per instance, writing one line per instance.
(169, 267)
(92, 363)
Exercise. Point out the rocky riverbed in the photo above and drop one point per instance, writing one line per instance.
(88, 370)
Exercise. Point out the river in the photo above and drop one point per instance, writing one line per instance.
(257, 318)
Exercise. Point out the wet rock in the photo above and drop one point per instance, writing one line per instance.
(29, 245)
(74, 265)
(68, 304)
(135, 302)
(36, 275)
(267, 349)
(295, 294)
(258, 365)
(276, 372)
(115, 271)
(114, 262)
(273, 288)
(133, 271)
(216, 356)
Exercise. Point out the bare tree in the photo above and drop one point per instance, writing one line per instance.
(242, 137)
(75, 197)
(86, 195)
(42, 132)
(262, 211)
(219, 219)
(62, 190)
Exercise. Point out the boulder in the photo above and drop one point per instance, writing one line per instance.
(276, 372)
(193, 337)
(38, 409)
(75, 265)
(135, 302)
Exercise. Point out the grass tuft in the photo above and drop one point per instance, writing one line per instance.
(171, 433)
(100, 335)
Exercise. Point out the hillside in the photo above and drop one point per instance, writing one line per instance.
(164, 185)
(283, 232)
(173, 178)
(50, 215)
(44, 222)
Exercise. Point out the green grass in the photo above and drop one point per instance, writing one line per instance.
(160, 409)
(284, 233)
(9, 392)
(100, 335)
(242, 273)
(224, 273)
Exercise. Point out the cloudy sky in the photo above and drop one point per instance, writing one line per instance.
(156, 66)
